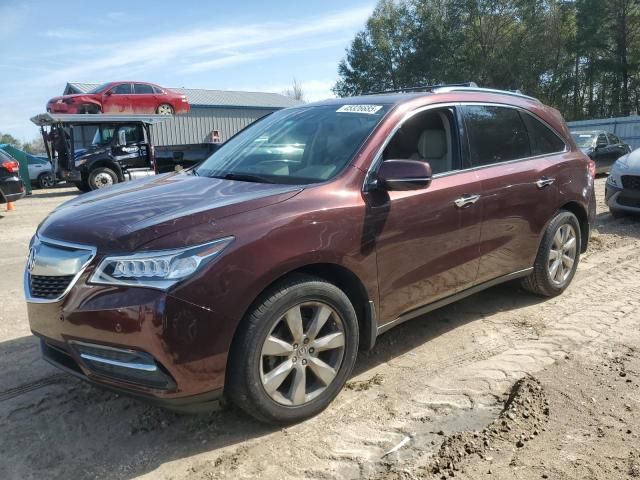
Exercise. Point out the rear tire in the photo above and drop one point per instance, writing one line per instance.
(164, 109)
(101, 177)
(266, 344)
(558, 257)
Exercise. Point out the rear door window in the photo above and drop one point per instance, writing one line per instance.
(495, 134)
(544, 141)
(143, 89)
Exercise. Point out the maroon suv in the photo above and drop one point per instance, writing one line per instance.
(263, 270)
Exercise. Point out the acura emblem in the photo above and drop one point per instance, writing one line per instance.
(31, 259)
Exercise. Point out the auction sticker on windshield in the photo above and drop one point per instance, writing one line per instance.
(370, 109)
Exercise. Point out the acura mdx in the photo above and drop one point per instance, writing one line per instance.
(261, 272)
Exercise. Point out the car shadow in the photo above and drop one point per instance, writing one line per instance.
(48, 418)
(66, 192)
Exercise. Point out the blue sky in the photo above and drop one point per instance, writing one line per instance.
(233, 45)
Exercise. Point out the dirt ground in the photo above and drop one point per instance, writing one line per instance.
(500, 385)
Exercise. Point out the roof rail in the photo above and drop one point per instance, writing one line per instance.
(456, 88)
(425, 88)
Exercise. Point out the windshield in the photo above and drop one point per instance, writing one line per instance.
(295, 146)
(102, 136)
(99, 88)
(584, 140)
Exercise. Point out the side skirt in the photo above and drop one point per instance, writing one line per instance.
(452, 298)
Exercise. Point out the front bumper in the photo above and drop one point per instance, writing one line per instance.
(622, 199)
(138, 341)
(62, 108)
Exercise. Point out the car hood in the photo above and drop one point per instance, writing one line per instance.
(127, 216)
(629, 163)
(72, 95)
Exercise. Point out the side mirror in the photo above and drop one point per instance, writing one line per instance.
(108, 93)
(404, 174)
(122, 138)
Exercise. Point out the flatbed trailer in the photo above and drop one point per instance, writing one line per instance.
(121, 149)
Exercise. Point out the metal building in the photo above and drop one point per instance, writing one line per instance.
(222, 111)
(627, 128)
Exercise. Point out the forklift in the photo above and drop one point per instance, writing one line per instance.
(96, 151)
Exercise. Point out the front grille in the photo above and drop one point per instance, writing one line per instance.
(48, 287)
(632, 182)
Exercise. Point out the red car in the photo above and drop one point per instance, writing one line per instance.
(122, 97)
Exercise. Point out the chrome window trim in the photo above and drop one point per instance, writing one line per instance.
(59, 243)
(369, 181)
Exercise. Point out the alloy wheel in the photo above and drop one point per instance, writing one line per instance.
(302, 354)
(165, 109)
(102, 180)
(562, 254)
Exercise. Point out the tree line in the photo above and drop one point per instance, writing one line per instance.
(35, 147)
(581, 56)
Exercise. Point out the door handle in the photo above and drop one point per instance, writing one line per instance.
(545, 182)
(466, 200)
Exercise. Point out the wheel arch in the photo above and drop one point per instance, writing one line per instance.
(583, 219)
(347, 281)
(106, 163)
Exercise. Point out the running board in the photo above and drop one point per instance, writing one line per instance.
(452, 298)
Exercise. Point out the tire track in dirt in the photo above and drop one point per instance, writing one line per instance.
(469, 385)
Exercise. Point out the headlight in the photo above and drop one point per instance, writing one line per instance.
(160, 269)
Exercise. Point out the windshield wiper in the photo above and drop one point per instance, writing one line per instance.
(244, 177)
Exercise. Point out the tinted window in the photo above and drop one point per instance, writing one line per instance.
(141, 88)
(122, 89)
(296, 145)
(602, 139)
(613, 139)
(156, 90)
(132, 133)
(496, 134)
(543, 140)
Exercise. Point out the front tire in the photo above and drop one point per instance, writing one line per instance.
(101, 177)
(90, 108)
(294, 351)
(46, 180)
(558, 257)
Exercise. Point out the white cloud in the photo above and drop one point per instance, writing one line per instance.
(67, 34)
(200, 49)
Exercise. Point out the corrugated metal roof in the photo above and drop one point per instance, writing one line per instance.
(215, 98)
